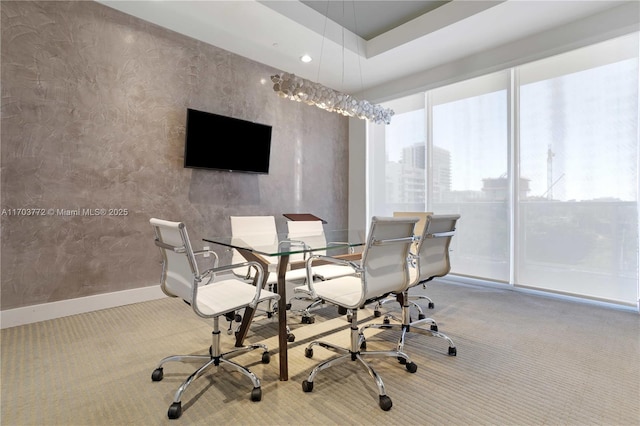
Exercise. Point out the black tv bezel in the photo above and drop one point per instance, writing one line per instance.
(266, 153)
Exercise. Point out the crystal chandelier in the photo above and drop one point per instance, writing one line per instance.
(292, 87)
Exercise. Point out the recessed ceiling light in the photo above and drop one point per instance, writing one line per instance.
(305, 58)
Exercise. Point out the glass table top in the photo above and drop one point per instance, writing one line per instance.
(284, 244)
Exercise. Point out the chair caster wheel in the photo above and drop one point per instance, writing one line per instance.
(308, 352)
(233, 316)
(385, 402)
(421, 316)
(157, 374)
(434, 327)
(287, 306)
(291, 338)
(256, 394)
(402, 360)
(307, 386)
(342, 311)
(308, 320)
(431, 305)
(411, 367)
(453, 351)
(266, 358)
(175, 410)
(363, 345)
(229, 332)
(377, 314)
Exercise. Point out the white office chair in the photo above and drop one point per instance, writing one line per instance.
(311, 233)
(422, 216)
(430, 261)
(260, 231)
(383, 270)
(209, 297)
(422, 221)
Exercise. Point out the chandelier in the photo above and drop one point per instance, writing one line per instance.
(292, 87)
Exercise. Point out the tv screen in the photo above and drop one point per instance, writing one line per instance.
(218, 142)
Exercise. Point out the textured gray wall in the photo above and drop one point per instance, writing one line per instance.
(93, 117)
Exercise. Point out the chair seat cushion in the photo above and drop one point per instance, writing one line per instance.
(324, 272)
(328, 272)
(294, 275)
(342, 291)
(220, 297)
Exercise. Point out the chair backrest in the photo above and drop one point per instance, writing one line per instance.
(179, 267)
(256, 231)
(311, 232)
(433, 247)
(422, 216)
(384, 259)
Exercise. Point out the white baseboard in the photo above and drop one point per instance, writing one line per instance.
(63, 308)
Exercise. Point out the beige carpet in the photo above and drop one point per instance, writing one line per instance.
(522, 360)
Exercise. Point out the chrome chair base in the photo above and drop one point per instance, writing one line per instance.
(215, 358)
(355, 354)
(406, 325)
(412, 298)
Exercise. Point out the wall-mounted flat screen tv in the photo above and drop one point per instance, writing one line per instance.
(219, 142)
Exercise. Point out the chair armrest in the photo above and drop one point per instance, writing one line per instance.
(210, 255)
(322, 259)
(341, 243)
(298, 243)
(346, 261)
(213, 271)
(393, 241)
(207, 253)
(441, 234)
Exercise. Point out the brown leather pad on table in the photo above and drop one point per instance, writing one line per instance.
(302, 216)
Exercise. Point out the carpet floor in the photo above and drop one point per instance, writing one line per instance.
(521, 359)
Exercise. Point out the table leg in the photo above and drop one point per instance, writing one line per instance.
(283, 262)
(282, 318)
(241, 334)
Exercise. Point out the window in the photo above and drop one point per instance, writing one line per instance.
(578, 221)
(469, 169)
(398, 158)
(544, 175)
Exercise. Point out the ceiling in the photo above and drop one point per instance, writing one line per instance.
(369, 19)
(356, 45)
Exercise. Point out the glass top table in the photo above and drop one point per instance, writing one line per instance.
(265, 249)
(283, 244)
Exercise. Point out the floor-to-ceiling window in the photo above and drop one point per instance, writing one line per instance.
(469, 171)
(397, 157)
(541, 161)
(578, 215)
